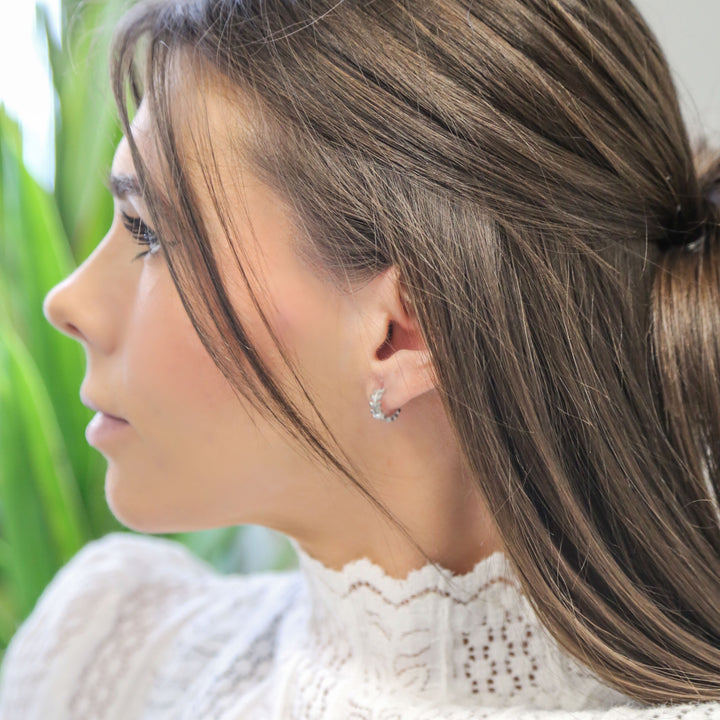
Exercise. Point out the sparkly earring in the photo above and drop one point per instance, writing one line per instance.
(376, 409)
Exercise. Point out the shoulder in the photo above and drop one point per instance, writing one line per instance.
(98, 631)
(104, 574)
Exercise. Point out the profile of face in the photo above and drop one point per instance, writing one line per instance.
(189, 453)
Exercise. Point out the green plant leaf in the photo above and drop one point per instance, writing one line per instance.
(42, 518)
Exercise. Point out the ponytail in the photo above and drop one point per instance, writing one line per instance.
(686, 333)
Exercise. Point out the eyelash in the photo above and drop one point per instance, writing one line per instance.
(142, 234)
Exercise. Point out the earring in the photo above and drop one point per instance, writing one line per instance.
(376, 409)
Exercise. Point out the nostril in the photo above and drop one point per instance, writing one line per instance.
(72, 330)
(57, 313)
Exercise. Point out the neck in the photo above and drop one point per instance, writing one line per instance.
(416, 472)
(443, 523)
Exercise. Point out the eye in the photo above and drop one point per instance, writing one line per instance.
(142, 234)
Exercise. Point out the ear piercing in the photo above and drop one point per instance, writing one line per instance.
(376, 409)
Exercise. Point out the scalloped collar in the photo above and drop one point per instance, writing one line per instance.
(469, 640)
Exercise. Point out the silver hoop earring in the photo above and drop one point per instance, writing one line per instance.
(376, 409)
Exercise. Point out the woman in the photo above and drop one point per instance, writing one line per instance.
(483, 219)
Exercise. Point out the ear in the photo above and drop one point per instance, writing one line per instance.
(398, 357)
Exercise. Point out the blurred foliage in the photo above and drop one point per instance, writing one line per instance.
(51, 482)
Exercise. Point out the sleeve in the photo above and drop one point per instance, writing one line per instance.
(89, 628)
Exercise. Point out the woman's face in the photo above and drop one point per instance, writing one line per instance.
(189, 453)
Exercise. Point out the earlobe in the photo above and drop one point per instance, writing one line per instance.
(405, 376)
(376, 407)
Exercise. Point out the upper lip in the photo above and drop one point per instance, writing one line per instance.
(94, 406)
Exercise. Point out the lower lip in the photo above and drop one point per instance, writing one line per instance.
(103, 428)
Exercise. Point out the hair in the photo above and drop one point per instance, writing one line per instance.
(525, 167)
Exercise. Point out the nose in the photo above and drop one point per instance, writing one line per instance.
(61, 311)
(82, 306)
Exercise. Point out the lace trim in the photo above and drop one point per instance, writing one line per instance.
(464, 639)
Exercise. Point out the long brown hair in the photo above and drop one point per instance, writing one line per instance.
(524, 165)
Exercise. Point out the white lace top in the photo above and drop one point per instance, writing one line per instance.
(137, 628)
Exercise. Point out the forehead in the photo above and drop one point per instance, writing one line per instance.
(123, 181)
(122, 167)
(210, 129)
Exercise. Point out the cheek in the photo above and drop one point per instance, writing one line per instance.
(167, 368)
(305, 316)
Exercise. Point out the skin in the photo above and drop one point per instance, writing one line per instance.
(194, 456)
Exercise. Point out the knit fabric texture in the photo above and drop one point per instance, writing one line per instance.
(138, 628)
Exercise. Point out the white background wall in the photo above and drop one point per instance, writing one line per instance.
(689, 32)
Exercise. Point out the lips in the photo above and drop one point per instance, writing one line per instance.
(97, 408)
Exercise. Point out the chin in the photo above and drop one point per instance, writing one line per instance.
(132, 517)
(141, 506)
(146, 519)
(133, 507)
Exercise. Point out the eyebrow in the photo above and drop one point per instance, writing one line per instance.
(122, 186)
